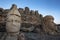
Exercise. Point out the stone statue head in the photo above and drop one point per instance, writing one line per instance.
(49, 25)
(49, 18)
(13, 20)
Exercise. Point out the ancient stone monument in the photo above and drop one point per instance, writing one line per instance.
(13, 24)
(25, 24)
(13, 20)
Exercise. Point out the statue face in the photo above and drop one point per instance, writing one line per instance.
(50, 20)
(13, 23)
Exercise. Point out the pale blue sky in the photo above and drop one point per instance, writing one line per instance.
(44, 7)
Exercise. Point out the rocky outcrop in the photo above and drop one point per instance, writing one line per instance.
(13, 19)
(13, 24)
(49, 25)
(33, 25)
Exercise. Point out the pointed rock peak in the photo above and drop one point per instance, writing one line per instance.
(36, 11)
(14, 10)
(14, 6)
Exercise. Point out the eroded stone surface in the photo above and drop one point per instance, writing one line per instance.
(49, 25)
(33, 25)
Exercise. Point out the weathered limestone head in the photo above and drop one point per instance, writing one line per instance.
(49, 25)
(36, 12)
(49, 18)
(32, 12)
(21, 10)
(13, 6)
(13, 20)
(1, 10)
(27, 10)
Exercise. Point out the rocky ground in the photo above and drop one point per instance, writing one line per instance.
(37, 36)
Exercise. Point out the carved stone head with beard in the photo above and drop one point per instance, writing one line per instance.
(49, 25)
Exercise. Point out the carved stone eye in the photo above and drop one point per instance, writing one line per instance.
(15, 20)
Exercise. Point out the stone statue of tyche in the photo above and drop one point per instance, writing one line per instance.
(13, 24)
